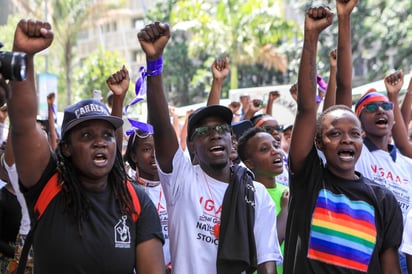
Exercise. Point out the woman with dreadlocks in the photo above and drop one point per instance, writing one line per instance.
(95, 222)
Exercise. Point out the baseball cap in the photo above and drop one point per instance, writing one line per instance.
(241, 127)
(84, 110)
(209, 111)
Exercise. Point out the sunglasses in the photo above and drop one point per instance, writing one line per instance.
(205, 131)
(271, 129)
(373, 107)
(141, 134)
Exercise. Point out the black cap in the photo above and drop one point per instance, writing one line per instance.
(88, 109)
(210, 111)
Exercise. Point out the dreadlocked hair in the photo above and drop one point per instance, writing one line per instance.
(76, 201)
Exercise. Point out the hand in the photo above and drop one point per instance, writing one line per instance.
(317, 19)
(294, 91)
(332, 58)
(234, 106)
(188, 112)
(50, 99)
(220, 68)
(119, 81)
(394, 83)
(32, 36)
(284, 200)
(172, 111)
(345, 7)
(153, 39)
(255, 105)
(273, 95)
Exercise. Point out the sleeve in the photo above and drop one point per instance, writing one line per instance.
(266, 238)
(148, 224)
(406, 246)
(393, 222)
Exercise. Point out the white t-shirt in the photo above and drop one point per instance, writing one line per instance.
(379, 166)
(158, 198)
(194, 202)
(14, 180)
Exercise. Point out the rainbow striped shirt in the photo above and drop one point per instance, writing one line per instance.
(343, 232)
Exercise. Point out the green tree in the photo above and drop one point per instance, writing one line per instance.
(67, 18)
(247, 31)
(94, 71)
(381, 39)
(180, 68)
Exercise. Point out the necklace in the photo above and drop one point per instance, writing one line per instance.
(147, 184)
(216, 227)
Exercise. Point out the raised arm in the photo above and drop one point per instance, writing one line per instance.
(30, 145)
(393, 85)
(183, 131)
(406, 107)
(316, 20)
(344, 60)
(153, 39)
(118, 83)
(220, 70)
(272, 97)
(50, 118)
(330, 96)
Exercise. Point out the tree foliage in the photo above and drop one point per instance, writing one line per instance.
(247, 31)
(94, 71)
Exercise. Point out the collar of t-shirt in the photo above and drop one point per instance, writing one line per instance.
(372, 147)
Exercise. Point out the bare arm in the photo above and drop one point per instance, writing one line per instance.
(393, 84)
(30, 37)
(390, 261)
(273, 96)
(267, 268)
(220, 70)
(409, 262)
(330, 96)
(282, 217)
(50, 117)
(344, 60)
(153, 39)
(183, 131)
(149, 257)
(316, 20)
(118, 83)
(175, 120)
(406, 107)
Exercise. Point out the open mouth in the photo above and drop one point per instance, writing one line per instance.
(346, 154)
(100, 158)
(216, 149)
(382, 121)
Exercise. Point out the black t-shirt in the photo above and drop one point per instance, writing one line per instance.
(108, 239)
(337, 225)
(10, 216)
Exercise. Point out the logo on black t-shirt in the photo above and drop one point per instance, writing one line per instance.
(122, 234)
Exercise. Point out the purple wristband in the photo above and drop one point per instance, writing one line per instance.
(154, 67)
(318, 99)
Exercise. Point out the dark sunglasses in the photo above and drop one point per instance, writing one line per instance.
(205, 131)
(271, 129)
(373, 107)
